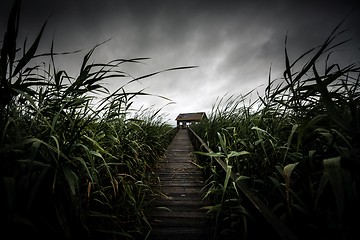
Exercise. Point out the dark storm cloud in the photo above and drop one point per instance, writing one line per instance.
(233, 43)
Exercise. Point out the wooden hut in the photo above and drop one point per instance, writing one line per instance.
(186, 119)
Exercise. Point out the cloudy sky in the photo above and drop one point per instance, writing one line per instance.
(232, 43)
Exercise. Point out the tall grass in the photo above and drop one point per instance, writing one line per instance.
(73, 165)
(303, 145)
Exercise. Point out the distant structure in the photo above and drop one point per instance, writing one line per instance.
(186, 119)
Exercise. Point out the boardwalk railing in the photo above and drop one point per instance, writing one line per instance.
(274, 222)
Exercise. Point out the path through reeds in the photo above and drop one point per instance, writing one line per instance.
(177, 211)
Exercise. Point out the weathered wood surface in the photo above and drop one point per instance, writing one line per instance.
(176, 213)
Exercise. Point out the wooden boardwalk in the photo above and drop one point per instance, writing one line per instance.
(176, 213)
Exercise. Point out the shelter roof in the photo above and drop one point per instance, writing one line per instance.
(198, 116)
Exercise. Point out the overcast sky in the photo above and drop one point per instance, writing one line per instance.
(233, 43)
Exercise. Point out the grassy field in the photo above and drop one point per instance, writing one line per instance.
(73, 165)
(297, 147)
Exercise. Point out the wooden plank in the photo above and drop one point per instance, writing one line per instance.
(172, 183)
(190, 207)
(180, 190)
(179, 167)
(182, 175)
(173, 196)
(181, 215)
(179, 203)
(178, 233)
(166, 223)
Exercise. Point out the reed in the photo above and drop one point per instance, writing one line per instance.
(76, 162)
(303, 145)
